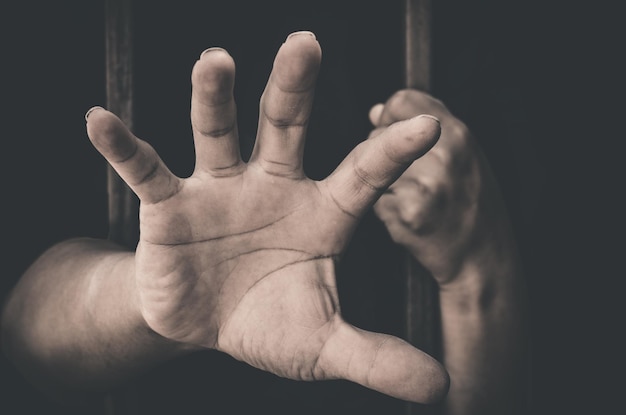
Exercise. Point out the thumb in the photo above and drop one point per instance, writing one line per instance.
(383, 363)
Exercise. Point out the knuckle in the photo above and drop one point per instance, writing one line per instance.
(400, 100)
(458, 151)
(365, 178)
(217, 132)
(408, 103)
(419, 206)
(457, 130)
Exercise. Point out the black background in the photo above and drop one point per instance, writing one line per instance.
(534, 81)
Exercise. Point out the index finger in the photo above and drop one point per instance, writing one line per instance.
(377, 162)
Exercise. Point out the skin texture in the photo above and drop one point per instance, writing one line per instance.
(447, 211)
(238, 257)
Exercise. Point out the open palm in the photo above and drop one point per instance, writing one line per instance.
(240, 257)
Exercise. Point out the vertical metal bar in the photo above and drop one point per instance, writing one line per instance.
(422, 305)
(123, 204)
(417, 44)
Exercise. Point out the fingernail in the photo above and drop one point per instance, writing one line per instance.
(213, 49)
(432, 117)
(302, 33)
(92, 109)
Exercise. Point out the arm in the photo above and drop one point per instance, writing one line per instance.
(73, 323)
(238, 257)
(446, 209)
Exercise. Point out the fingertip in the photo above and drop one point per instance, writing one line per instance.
(406, 141)
(109, 135)
(205, 53)
(409, 374)
(91, 110)
(297, 62)
(375, 113)
(424, 133)
(430, 127)
(100, 122)
(430, 124)
(215, 58)
(301, 33)
(437, 387)
(304, 42)
(431, 117)
(384, 363)
(214, 73)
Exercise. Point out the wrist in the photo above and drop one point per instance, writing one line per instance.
(113, 303)
(138, 322)
(485, 280)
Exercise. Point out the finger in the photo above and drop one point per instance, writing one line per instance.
(384, 363)
(214, 114)
(397, 108)
(409, 103)
(377, 162)
(375, 113)
(286, 106)
(133, 159)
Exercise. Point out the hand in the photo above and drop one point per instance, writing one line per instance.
(446, 206)
(446, 209)
(241, 257)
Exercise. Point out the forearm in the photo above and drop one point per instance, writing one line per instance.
(73, 323)
(485, 343)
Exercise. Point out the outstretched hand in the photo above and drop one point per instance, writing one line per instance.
(240, 257)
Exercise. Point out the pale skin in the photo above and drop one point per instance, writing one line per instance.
(447, 211)
(238, 257)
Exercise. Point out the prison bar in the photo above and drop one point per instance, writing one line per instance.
(123, 204)
(422, 317)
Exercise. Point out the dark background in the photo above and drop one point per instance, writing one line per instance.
(533, 80)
